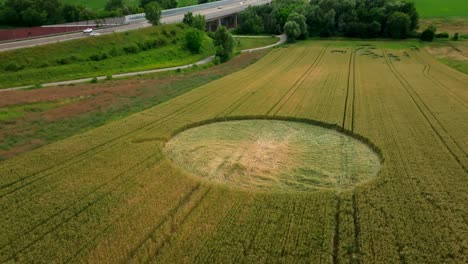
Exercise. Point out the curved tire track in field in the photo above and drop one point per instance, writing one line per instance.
(426, 72)
(238, 103)
(415, 98)
(291, 91)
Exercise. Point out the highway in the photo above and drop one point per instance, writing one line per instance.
(220, 10)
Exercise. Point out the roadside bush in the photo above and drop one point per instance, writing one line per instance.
(455, 36)
(94, 80)
(132, 49)
(114, 52)
(13, 67)
(194, 40)
(63, 61)
(442, 35)
(428, 34)
(98, 57)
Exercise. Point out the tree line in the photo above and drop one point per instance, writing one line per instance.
(300, 19)
(47, 12)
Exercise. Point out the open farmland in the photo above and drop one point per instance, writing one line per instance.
(441, 8)
(111, 195)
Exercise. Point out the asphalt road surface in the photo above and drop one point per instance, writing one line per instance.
(209, 14)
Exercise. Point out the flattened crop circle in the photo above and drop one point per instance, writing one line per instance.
(273, 155)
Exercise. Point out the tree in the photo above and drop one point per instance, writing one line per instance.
(428, 34)
(188, 19)
(199, 22)
(224, 43)
(114, 5)
(292, 30)
(374, 29)
(455, 36)
(87, 14)
(194, 40)
(71, 13)
(250, 22)
(301, 21)
(398, 25)
(165, 4)
(153, 13)
(32, 17)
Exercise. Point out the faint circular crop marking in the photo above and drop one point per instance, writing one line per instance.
(274, 155)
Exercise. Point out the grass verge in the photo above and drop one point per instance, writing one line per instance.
(149, 48)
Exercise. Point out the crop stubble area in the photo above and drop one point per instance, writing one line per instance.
(112, 195)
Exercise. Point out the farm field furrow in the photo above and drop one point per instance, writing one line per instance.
(111, 195)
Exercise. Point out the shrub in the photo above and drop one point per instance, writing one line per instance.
(94, 80)
(199, 22)
(428, 34)
(194, 40)
(63, 61)
(13, 67)
(153, 13)
(455, 36)
(442, 35)
(132, 49)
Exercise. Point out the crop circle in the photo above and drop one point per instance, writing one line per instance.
(273, 155)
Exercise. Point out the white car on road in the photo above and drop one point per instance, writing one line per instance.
(88, 30)
(94, 34)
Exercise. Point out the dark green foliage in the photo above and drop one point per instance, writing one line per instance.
(197, 21)
(153, 13)
(455, 36)
(428, 34)
(194, 40)
(132, 49)
(398, 25)
(224, 43)
(165, 4)
(352, 18)
(114, 5)
(13, 67)
(300, 20)
(442, 35)
(292, 30)
(188, 19)
(251, 22)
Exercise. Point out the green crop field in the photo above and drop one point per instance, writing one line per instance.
(441, 8)
(149, 48)
(119, 193)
